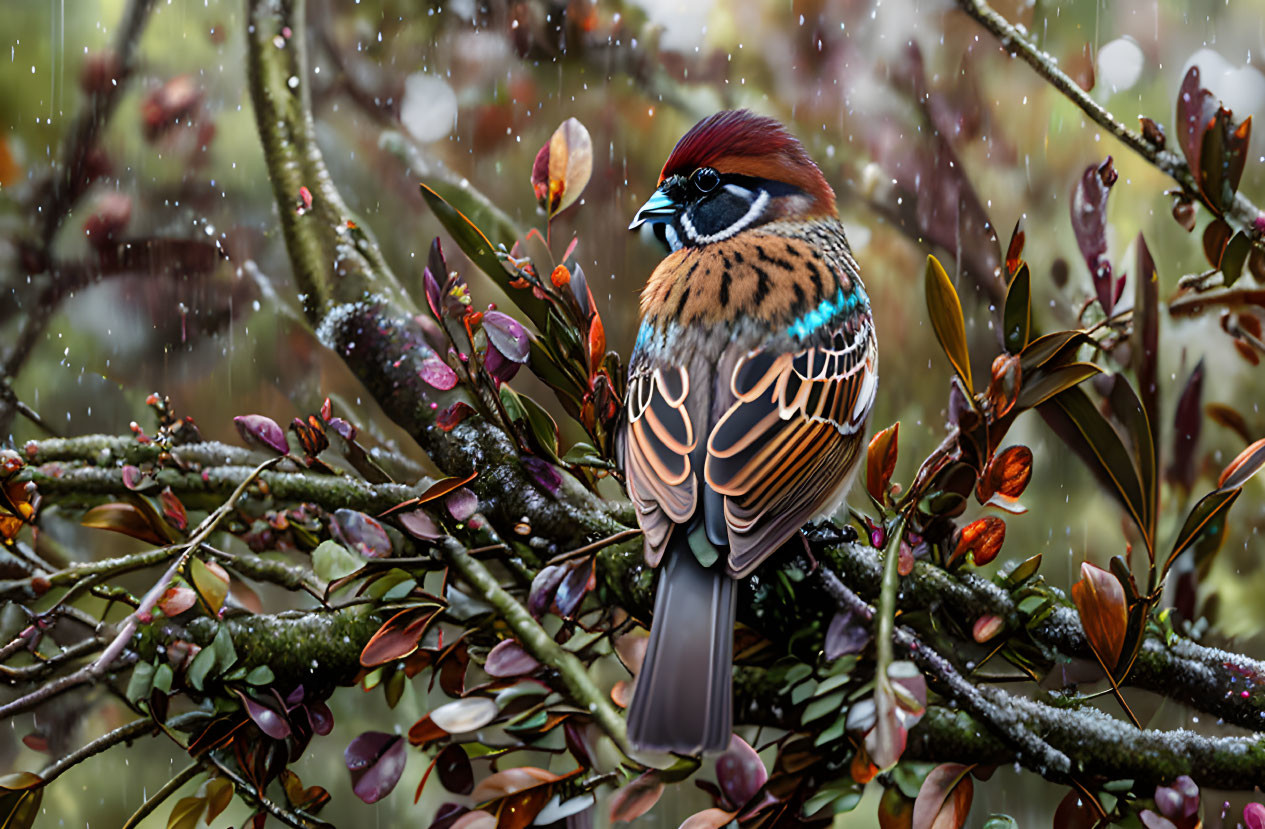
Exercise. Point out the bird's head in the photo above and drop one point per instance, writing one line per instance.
(733, 171)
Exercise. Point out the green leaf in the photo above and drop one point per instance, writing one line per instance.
(1024, 571)
(1045, 385)
(1017, 319)
(142, 681)
(821, 706)
(1235, 255)
(842, 796)
(946, 318)
(1062, 344)
(225, 653)
(1000, 822)
(1128, 411)
(803, 691)
(834, 732)
(1079, 423)
(260, 675)
(482, 253)
(584, 454)
(200, 668)
(163, 677)
(332, 561)
(1200, 518)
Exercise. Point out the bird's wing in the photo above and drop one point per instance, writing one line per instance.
(658, 440)
(788, 443)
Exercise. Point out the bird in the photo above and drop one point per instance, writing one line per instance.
(750, 385)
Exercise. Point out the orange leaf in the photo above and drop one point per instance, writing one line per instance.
(1099, 598)
(708, 819)
(597, 342)
(398, 637)
(944, 800)
(1003, 387)
(1007, 473)
(981, 539)
(125, 519)
(425, 731)
(1243, 467)
(880, 461)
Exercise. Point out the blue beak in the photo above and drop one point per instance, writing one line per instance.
(660, 208)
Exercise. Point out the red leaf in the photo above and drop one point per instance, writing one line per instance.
(1243, 467)
(981, 539)
(1100, 600)
(880, 461)
(448, 419)
(398, 637)
(1007, 473)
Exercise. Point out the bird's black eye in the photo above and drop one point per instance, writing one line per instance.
(705, 179)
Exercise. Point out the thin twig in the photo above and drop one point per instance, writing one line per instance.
(122, 734)
(600, 544)
(169, 788)
(250, 793)
(1014, 41)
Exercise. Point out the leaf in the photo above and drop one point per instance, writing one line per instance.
(461, 504)
(211, 582)
(740, 772)
(1014, 250)
(200, 668)
(398, 637)
(1240, 470)
(1089, 224)
(512, 781)
(712, 818)
(508, 335)
(1187, 424)
(376, 760)
(635, 798)
(332, 561)
(1100, 601)
(846, 634)
(464, 715)
(262, 432)
(1127, 410)
(981, 540)
(509, 659)
(1007, 474)
(269, 721)
(361, 533)
(1079, 423)
(1017, 319)
(437, 374)
(944, 800)
(946, 318)
(1235, 255)
(562, 167)
(1146, 327)
(177, 600)
(139, 685)
(125, 519)
(1195, 109)
(219, 793)
(173, 511)
(880, 461)
(186, 813)
(1216, 237)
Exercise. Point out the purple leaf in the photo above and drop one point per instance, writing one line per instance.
(1187, 423)
(1089, 223)
(573, 587)
(269, 721)
(295, 697)
(448, 814)
(543, 473)
(434, 298)
(509, 659)
(461, 503)
(435, 262)
(455, 773)
(543, 588)
(320, 717)
(740, 771)
(420, 525)
(508, 335)
(846, 634)
(437, 373)
(261, 432)
(498, 365)
(1196, 107)
(1181, 800)
(342, 428)
(361, 533)
(376, 761)
(133, 478)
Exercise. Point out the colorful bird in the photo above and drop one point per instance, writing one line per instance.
(754, 371)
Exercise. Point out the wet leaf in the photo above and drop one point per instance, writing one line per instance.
(880, 461)
(562, 167)
(1254, 816)
(361, 533)
(464, 715)
(508, 335)
(461, 504)
(740, 772)
(437, 374)
(332, 561)
(1187, 424)
(509, 659)
(946, 318)
(1004, 383)
(186, 813)
(1240, 470)
(376, 760)
(1050, 383)
(211, 582)
(1017, 319)
(1234, 257)
(269, 721)
(1216, 237)
(398, 637)
(262, 433)
(981, 540)
(1089, 223)
(635, 798)
(1014, 250)
(448, 419)
(944, 800)
(1100, 601)
(1008, 474)
(125, 519)
(1079, 423)
(1127, 411)
(846, 634)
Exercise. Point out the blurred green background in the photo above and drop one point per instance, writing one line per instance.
(469, 91)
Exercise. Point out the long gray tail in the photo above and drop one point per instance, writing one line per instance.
(684, 696)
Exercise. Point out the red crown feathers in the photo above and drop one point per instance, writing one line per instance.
(739, 141)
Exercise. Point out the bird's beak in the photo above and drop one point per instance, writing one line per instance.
(660, 208)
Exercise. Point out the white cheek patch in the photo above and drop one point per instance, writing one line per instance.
(753, 212)
(669, 233)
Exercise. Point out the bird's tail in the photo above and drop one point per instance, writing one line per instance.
(683, 700)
